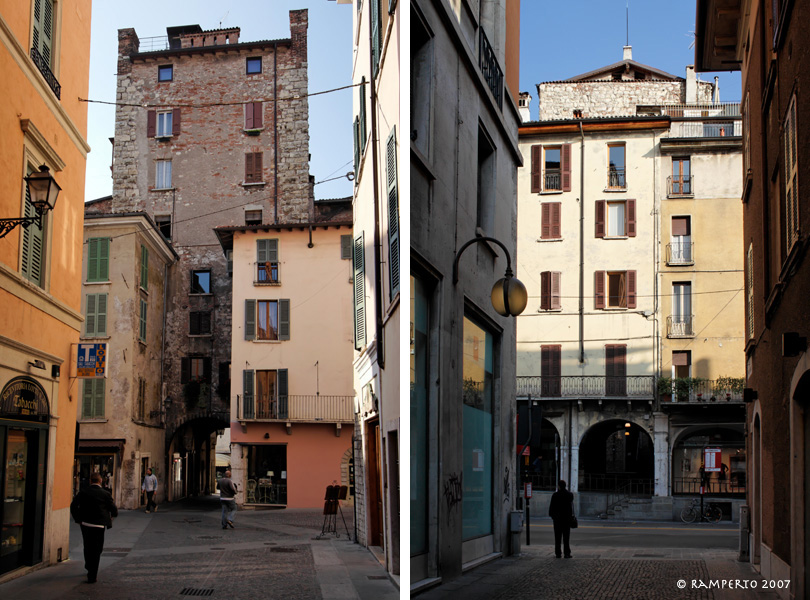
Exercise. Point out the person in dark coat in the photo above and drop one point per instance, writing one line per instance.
(94, 510)
(227, 491)
(561, 509)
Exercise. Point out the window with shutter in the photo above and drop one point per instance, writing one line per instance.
(250, 319)
(95, 323)
(359, 293)
(552, 172)
(550, 216)
(616, 369)
(599, 219)
(199, 323)
(550, 371)
(346, 247)
(536, 153)
(599, 289)
(749, 290)
(98, 259)
(556, 303)
(142, 329)
(376, 37)
(144, 268)
(565, 167)
(248, 405)
(283, 391)
(791, 178)
(363, 133)
(550, 290)
(356, 149)
(253, 167)
(253, 115)
(164, 123)
(267, 320)
(267, 261)
(393, 214)
(93, 399)
(43, 31)
(33, 245)
(617, 289)
(283, 319)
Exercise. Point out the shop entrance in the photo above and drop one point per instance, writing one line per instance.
(267, 474)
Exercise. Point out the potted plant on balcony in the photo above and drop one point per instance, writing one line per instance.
(665, 389)
(730, 386)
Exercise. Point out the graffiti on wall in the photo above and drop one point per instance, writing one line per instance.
(507, 489)
(452, 494)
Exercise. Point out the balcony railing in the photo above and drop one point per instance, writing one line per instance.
(709, 109)
(45, 69)
(734, 486)
(488, 63)
(616, 178)
(552, 180)
(705, 129)
(680, 187)
(694, 389)
(680, 326)
(586, 386)
(629, 486)
(266, 273)
(681, 253)
(309, 409)
(154, 44)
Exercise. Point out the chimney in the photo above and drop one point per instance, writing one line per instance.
(716, 90)
(691, 85)
(128, 44)
(628, 53)
(524, 100)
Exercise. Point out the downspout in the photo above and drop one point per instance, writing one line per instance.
(275, 133)
(581, 245)
(163, 406)
(378, 291)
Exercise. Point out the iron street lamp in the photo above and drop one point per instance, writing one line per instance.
(42, 190)
(509, 295)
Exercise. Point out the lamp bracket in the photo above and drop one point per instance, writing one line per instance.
(8, 225)
(477, 240)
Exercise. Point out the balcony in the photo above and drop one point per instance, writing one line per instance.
(692, 110)
(705, 129)
(680, 326)
(680, 187)
(488, 63)
(616, 179)
(681, 253)
(304, 409)
(42, 64)
(699, 390)
(586, 386)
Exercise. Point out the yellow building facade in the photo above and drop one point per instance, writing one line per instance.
(44, 67)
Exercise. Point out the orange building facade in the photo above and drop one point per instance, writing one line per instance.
(44, 67)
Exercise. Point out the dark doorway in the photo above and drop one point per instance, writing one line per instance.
(616, 455)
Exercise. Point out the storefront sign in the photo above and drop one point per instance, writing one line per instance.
(24, 399)
(91, 361)
(711, 460)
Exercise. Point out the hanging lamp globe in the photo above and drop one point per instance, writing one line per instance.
(509, 296)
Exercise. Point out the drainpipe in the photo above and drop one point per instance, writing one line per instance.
(378, 286)
(581, 244)
(275, 133)
(164, 408)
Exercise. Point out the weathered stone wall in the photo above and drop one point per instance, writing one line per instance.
(210, 87)
(610, 98)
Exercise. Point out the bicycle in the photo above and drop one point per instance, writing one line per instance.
(711, 512)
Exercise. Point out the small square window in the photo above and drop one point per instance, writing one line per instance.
(201, 282)
(166, 73)
(253, 217)
(254, 65)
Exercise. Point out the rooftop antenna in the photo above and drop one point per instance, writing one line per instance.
(628, 23)
(223, 18)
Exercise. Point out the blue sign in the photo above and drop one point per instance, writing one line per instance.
(91, 360)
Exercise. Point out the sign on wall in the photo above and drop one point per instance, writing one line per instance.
(711, 460)
(90, 360)
(24, 398)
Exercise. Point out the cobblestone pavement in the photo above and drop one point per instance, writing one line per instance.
(182, 551)
(598, 573)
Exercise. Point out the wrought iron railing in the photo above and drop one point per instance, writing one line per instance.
(488, 63)
(586, 386)
(627, 485)
(706, 109)
(552, 180)
(156, 43)
(680, 326)
(734, 486)
(695, 389)
(266, 273)
(616, 178)
(45, 69)
(680, 186)
(681, 253)
(310, 409)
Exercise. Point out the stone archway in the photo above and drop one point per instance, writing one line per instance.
(616, 455)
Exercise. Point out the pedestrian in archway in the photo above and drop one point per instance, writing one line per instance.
(561, 509)
(149, 486)
(227, 491)
(93, 509)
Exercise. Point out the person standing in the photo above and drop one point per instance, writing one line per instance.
(227, 492)
(561, 509)
(150, 487)
(94, 510)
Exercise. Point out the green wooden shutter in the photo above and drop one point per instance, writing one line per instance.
(359, 294)
(43, 29)
(92, 259)
(143, 320)
(90, 316)
(98, 397)
(283, 319)
(248, 407)
(362, 90)
(283, 403)
(144, 267)
(250, 319)
(376, 37)
(95, 324)
(346, 247)
(356, 147)
(393, 213)
(33, 245)
(272, 250)
(87, 398)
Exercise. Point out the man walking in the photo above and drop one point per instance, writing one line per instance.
(227, 491)
(150, 487)
(561, 509)
(94, 510)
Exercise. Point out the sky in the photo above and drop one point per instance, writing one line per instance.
(329, 57)
(560, 40)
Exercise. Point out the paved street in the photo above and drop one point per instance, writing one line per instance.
(616, 560)
(182, 551)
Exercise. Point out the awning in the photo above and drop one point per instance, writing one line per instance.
(100, 446)
(223, 460)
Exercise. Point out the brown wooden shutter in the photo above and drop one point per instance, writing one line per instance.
(600, 218)
(176, 121)
(555, 361)
(151, 123)
(555, 220)
(631, 218)
(599, 289)
(610, 355)
(545, 229)
(680, 225)
(565, 167)
(545, 361)
(249, 115)
(555, 290)
(537, 156)
(631, 289)
(257, 115)
(249, 167)
(545, 290)
(257, 166)
(680, 359)
(620, 360)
